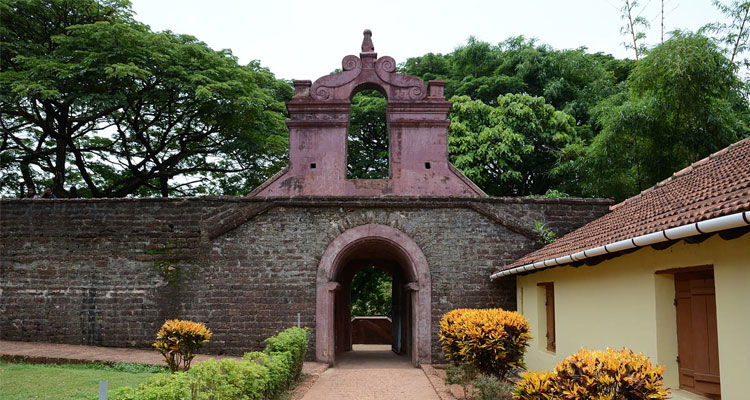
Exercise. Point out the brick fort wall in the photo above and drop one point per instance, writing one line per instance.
(109, 272)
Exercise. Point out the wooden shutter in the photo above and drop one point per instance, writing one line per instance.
(697, 340)
(549, 306)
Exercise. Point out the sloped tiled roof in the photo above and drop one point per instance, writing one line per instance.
(715, 186)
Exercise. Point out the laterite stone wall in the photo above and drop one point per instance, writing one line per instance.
(109, 272)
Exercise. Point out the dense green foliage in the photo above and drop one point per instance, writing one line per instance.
(684, 101)
(294, 341)
(371, 293)
(510, 148)
(570, 80)
(632, 125)
(258, 376)
(92, 98)
(69, 381)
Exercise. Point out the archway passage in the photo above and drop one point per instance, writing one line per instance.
(393, 251)
(371, 305)
(369, 255)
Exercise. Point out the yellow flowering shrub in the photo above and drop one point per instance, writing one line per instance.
(492, 340)
(596, 375)
(179, 341)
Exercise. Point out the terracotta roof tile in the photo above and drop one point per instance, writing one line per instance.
(715, 186)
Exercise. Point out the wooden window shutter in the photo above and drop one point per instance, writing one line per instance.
(697, 339)
(549, 306)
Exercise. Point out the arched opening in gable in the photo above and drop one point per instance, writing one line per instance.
(367, 144)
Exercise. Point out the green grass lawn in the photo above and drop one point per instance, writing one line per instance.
(67, 382)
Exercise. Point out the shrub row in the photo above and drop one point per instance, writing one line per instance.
(587, 374)
(491, 340)
(258, 376)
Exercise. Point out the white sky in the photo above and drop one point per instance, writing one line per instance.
(307, 39)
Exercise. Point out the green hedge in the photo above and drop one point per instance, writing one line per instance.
(257, 376)
(293, 341)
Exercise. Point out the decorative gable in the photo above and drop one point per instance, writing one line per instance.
(417, 127)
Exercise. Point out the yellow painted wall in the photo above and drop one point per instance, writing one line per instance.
(622, 303)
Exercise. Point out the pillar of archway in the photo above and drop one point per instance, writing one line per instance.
(415, 271)
(417, 118)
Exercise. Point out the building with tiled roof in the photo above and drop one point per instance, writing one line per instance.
(665, 273)
(689, 203)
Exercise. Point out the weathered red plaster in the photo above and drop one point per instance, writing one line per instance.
(418, 135)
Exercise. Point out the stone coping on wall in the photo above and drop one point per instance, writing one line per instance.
(225, 218)
(377, 201)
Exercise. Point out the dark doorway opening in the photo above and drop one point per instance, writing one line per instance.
(372, 308)
(371, 295)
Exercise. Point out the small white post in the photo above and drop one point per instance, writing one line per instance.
(299, 321)
(103, 390)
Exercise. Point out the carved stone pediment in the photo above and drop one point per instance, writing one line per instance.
(368, 71)
(417, 129)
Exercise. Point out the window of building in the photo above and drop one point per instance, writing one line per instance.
(547, 318)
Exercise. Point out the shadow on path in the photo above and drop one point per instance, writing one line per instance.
(372, 356)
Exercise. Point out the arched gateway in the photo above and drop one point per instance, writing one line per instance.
(418, 166)
(389, 248)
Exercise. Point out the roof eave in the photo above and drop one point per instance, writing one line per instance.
(693, 229)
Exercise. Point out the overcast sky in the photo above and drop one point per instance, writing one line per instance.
(308, 39)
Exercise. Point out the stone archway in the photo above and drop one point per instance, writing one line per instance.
(393, 244)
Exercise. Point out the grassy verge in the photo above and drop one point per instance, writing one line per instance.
(68, 382)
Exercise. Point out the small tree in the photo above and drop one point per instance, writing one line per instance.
(544, 234)
(634, 26)
(736, 34)
(179, 341)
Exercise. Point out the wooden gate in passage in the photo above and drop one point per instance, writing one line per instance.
(697, 340)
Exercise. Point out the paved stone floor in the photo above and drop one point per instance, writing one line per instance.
(372, 372)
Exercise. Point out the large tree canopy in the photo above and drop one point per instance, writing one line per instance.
(570, 80)
(92, 98)
(509, 149)
(635, 122)
(684, 102)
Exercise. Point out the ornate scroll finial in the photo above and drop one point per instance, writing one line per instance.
(367, 42)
